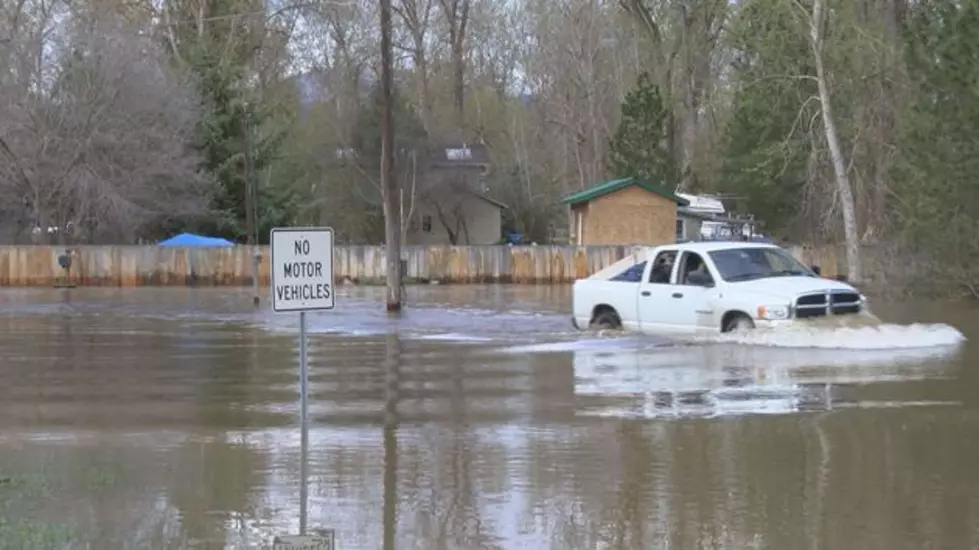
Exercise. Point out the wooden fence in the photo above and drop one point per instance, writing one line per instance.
(153, 265)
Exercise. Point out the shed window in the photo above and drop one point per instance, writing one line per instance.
(427, 224)
(681, 230)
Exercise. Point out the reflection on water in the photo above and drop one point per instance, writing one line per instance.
(168, 419)
(726, 379)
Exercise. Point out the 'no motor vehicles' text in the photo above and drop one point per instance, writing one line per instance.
(289, 292)
(302, 270)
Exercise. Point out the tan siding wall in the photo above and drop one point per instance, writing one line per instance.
(578, 215)
(483, 220)
(630, 216)
(152, 265)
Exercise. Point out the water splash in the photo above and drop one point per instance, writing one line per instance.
(880, 337)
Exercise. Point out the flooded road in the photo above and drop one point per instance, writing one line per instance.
(167, 418)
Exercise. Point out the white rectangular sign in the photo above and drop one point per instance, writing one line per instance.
(302, 269)
(305, 542)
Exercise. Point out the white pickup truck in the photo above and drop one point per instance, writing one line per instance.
(709, 287)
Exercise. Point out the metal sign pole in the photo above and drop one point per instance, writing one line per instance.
(303, 368)
(304, 425)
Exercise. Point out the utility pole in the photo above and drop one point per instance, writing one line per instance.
(249, 207)
(389, 184)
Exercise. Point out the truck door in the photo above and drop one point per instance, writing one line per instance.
(654, 302)
(693, 295)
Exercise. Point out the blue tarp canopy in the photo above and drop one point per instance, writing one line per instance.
(191, 240)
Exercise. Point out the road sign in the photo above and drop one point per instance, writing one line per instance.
(326, 541)
(302, 269)
(302, 281)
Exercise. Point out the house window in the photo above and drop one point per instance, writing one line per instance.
(681, 230)
(427, 224)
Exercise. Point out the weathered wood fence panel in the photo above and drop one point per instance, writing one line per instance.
(153, 265)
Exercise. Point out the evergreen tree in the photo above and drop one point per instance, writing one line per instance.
(935, 186)
(231, 125)
(216, 55)
(640, 145)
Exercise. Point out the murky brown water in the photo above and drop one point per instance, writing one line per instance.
(168, 419)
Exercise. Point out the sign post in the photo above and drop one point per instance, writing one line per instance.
(302, 281)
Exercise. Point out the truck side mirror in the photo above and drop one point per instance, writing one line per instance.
(815, 269)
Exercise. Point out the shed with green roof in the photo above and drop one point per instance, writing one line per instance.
(624, 211)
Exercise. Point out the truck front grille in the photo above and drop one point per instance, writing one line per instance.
(827, 303)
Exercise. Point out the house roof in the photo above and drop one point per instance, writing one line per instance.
(612, 186)
(703, 203)
(494, 202)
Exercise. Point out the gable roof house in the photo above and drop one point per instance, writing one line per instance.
(624, 211)
(450, 206)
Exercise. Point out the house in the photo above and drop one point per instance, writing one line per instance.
(624, 211)
(459, 217)
(697, 219)
(706, 218)
(449, 206)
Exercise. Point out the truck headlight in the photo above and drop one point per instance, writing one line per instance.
(774, 313)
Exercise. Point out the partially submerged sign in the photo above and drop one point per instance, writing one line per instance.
(325, 541)
(302, 269)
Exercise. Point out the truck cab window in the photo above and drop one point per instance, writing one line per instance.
(693, 263)
(662, 267)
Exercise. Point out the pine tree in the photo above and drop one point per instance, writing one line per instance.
(640, 146)
(934, 181)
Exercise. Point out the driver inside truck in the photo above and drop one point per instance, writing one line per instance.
(694, 264)
(662, 268)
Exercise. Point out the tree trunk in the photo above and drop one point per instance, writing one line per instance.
(389, 184)
(843, 186)
(457, 14)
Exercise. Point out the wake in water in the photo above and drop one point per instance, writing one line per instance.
(879, 337)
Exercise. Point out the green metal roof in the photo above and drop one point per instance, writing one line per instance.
(612, 186)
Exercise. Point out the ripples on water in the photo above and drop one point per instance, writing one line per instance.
(167, 418)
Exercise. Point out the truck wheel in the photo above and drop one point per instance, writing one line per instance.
(606, 320)
(738, 322)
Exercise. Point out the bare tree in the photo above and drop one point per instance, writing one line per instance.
(456, 13)
(416, 17)
(102, 148)
(389, 182)
(844, 189)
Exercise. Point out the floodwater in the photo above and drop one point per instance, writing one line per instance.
(168, 418)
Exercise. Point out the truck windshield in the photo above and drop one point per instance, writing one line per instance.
(747, 264)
